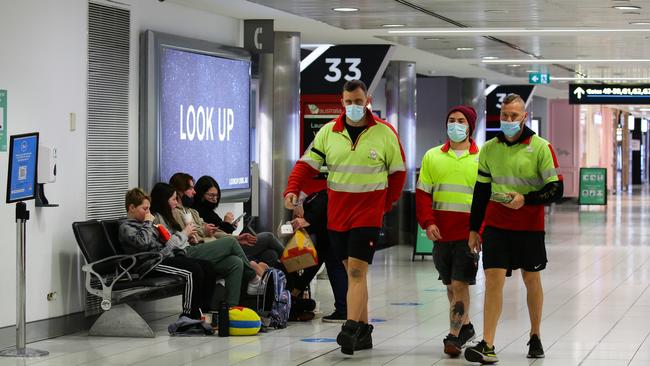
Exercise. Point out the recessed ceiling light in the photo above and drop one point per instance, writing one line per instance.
(393, 25)
(641, 22)
(529, 71)
(345, 9)
(514, 65)
(490, 58)
(626, 7)
(464, 48)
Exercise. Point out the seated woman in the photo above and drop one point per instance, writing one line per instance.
(206, 194)
(225, 254)
(139, 234)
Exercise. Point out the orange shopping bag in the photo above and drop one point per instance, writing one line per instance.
(299, 253)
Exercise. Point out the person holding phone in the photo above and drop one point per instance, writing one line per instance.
(520, 164)
(444, 201)
(263, 247)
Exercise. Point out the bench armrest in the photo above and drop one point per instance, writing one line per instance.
(122, 263)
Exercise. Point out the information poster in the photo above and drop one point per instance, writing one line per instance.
(23, 158)
(3, 120)
(593, 186)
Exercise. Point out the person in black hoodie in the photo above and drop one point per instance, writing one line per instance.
(267, 248)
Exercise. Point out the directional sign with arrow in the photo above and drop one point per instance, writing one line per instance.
(609, 94)
(539, 78)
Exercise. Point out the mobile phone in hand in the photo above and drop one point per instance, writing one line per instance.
(235, 221)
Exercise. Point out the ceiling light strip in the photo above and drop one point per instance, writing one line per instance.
(498, 31)
(564, 61)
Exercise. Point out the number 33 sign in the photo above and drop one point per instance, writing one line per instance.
(327, 73)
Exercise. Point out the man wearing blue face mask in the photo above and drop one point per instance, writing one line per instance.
(517, 175)
(365, 161)
(443, 203)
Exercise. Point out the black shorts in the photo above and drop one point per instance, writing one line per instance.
(358, 243)
(512, 250)
(454, 261)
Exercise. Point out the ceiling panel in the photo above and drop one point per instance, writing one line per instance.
(501, 14)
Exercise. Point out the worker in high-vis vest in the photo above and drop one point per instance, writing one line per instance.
(366, 175)
(517, 175)
(443, 203)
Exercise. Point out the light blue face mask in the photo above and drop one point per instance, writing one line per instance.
(457, 132)
(355, 112)
(510, 129)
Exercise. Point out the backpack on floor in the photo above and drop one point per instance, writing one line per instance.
(273, 299)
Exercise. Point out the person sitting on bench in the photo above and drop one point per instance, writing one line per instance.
(138, 234)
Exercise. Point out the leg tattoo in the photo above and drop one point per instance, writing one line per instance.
(457, 313)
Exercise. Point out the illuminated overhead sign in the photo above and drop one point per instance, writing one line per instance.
(609, 94)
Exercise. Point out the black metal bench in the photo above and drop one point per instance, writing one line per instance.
(119, 279)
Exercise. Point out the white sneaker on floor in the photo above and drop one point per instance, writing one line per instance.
(254, 286)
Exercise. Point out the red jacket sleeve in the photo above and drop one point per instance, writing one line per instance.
(423, 209)
(300, 173)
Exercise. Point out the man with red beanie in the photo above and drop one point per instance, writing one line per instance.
(444, 201)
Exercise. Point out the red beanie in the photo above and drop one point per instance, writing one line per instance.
(468, 112)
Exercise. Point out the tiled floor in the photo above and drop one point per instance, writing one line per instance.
(597, 309)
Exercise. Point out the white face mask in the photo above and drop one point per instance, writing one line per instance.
(355, 112)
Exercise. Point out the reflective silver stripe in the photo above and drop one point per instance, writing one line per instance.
(455, 188)
(549, 173)
(516, 181)
(358, 169)
(456, 207)
(356, 188)
(311, 162)
(397, 168)
(424, 187)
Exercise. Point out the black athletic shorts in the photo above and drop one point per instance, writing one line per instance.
(454, 261)
(512, 250)
(357, 243)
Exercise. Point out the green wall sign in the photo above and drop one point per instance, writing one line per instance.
(3, 120)
(593, 186)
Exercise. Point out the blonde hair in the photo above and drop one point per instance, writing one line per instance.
(135, 197)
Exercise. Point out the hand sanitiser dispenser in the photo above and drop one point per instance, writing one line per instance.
(47, 157)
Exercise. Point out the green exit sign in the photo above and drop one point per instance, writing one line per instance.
(539, 78)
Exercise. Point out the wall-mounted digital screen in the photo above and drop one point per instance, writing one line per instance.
(195, 112)
(204, 117)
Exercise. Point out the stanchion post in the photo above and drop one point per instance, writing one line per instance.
(22, 215)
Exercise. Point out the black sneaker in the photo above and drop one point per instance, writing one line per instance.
(452, 345)
(481, 353)
(467, 334)
(336, 317)
(348, 336)
(535, 349)
(365, 337)
(300, 304)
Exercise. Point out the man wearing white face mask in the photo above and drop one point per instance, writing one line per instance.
(365, 161)
(517, 175)
(443, 202)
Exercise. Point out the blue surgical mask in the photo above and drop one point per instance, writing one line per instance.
(355, 112)
(510, 129)
(457, 132)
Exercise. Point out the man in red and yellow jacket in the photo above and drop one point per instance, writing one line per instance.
(365, 161)
(444, 201)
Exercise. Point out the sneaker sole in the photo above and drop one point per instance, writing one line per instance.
(452, 350)
(341, 321)
(364, 347)
(347, 344)
(472, 338)
(474, 356)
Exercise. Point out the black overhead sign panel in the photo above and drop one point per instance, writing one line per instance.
(609, 94)
(338, 64)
